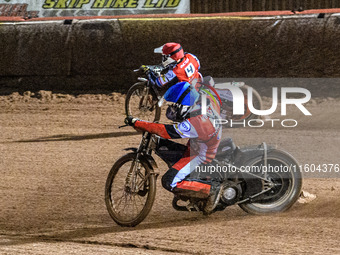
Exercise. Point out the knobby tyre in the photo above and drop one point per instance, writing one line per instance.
(129, 202)
(141, 103)
(288, 184)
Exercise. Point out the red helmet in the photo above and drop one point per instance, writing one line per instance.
(172, 52)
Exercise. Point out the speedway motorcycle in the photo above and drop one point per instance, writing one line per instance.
(271, 184)
(142, 99)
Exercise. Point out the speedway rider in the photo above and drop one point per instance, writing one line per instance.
(203, 143)
(179, 66)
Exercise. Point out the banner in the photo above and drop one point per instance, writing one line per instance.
(63, 8)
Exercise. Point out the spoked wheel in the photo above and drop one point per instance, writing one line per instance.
(284, 174)
(141, 103)
(130, 191)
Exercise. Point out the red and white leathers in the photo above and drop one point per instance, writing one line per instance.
(185, 70)
(201, 148)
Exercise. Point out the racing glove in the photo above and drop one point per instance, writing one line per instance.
(145, 69)
(129, 120)
(149, 73)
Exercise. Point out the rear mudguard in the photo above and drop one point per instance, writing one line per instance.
(246, 154)
(242, 158)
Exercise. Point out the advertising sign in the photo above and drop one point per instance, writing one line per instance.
(60, 8)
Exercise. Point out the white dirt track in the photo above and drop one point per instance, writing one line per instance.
(55, 155)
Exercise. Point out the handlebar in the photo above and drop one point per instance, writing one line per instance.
(153, 68)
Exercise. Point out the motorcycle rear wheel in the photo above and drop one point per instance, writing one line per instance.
(141, 103)
(288, 184)
(129, 203)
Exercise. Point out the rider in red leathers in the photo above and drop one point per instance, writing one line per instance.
(204, 137)
(179, 66)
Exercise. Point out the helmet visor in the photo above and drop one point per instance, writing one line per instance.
(158, 50)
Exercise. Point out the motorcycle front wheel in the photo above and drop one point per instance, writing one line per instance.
(130, 191)
(141, 102)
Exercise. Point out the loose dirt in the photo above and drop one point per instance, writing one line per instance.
(57, 149)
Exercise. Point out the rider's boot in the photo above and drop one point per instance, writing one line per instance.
(190, 205)
(213, 199)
